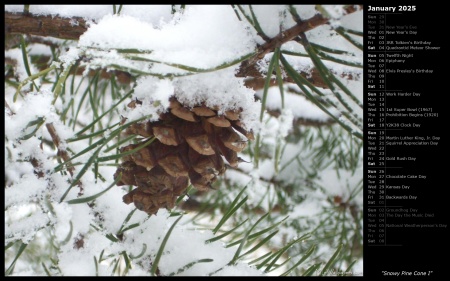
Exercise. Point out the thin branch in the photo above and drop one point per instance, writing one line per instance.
(12, 40)
(10, 112)
(41, 40)
(44, 62)
(38, 171)
(62, 153)
(283, 37)
(58, 27)
(255, 79)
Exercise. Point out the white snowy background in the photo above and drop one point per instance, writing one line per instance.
(202, 37)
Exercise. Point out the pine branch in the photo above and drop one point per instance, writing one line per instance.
(247, 67)
(65, 29)
(257, 79)
(62, 153)
(44, 62)
(58, 27)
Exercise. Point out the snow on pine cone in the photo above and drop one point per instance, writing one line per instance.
(188, 147)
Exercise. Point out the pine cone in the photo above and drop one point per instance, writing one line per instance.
(188, 147)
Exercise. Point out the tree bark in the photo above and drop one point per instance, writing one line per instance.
(58, 27)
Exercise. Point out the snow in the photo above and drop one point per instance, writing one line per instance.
(333, 11)
(343, 180)
(28, 186)
(299, 106)
(67, 262)
(221, 89)
(25, 228)
(203, 38)
(239, 270)
(19, 69)
(218, 88)
(181, 40)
